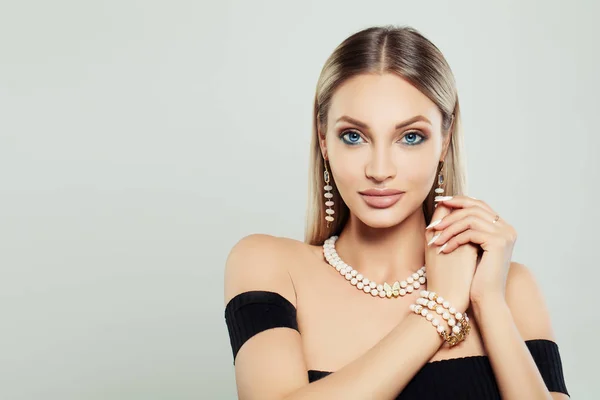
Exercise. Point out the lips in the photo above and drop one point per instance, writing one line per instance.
(381, 192)
(381, 198)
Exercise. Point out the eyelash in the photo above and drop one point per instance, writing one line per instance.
(418, 133)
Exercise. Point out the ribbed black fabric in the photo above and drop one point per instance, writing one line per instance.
(464, 378)
(252, 312)
(547, 357)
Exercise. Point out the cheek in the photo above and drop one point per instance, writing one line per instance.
(346, 173)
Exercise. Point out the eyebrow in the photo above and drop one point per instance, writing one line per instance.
(398, 126)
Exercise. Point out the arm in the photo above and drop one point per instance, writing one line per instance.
(270, 365)
(505, 322)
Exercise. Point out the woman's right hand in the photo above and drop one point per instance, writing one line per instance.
(450, 275)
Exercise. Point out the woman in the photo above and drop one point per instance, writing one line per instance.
(404, 287)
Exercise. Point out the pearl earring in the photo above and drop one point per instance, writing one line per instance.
(328, 195)
(440, 190)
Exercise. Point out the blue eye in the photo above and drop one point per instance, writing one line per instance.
(353, 136)
(412, 138)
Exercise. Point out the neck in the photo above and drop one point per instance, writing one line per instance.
(384, 254)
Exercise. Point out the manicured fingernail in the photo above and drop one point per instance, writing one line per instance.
(442, 198)
(434, 223)
(433, 239)
(442, 248)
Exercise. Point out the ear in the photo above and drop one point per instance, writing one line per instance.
(322, 143)
(446, 144)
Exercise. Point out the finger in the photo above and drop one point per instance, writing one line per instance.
(462, 213)
(466, 223)
(438, 215)
(470, 236)
(460, 201)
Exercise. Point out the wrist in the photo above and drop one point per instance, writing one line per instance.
(487, 303)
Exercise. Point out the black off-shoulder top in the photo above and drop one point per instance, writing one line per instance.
(464, 378)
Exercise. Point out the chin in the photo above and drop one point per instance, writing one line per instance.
(382, 218)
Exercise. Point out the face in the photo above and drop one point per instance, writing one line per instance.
(382, 132)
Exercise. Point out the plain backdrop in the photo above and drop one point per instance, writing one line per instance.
(140, 140)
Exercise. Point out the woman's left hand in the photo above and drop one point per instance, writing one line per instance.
(472, 220)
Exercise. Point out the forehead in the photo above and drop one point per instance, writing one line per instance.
(381, 100)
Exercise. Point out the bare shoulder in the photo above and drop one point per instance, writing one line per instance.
(527, 304)
(260, 262)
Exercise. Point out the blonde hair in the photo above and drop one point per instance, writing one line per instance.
(378, 50)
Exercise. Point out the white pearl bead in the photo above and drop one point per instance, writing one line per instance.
(431, 295)
(328, 195)
(446, 315)
(329, 218)
(435, 322)
(456, 329)
(446, 304)
(430, 304)
(439, 310)
(424, 293)
(451, 322)
(458, 316)
(440, 328)
(329, 203)
(327, 187)
(413, 282)
(412, 307)
(429, 317)
(440, 300)
(424, 312)
(329, 211)
(452, 310)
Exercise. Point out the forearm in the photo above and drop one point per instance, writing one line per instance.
(384, 370)
(514, 368)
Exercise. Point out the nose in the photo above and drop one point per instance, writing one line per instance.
(381, 165)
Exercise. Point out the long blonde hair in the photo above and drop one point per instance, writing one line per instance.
(407, 53)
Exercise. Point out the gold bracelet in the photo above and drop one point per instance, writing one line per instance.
(458, 322)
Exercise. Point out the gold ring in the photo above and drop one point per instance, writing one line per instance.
(496, 219)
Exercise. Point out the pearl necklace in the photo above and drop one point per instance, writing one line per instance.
(386, 290)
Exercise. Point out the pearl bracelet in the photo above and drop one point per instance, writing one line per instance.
(429, 304)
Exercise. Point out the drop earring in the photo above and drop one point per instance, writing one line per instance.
(328, 196)
(439, 191)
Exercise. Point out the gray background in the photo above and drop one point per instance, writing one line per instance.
(139, 140)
